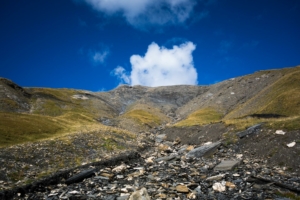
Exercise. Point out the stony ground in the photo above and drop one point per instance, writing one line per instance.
(171, 170)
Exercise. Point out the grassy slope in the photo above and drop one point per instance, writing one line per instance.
(281, 98)
(143, 116)
(200, 117)
(54, 113)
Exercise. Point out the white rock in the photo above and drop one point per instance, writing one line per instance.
(291, 144)
(280, 132)
(239, 156)
(141, 194)
(120, 168)
(207, 143)
(74, 192)
(219, 187)
(232, 93)
(150, 159)
(217, 177)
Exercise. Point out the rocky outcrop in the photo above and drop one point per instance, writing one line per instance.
(225, 174)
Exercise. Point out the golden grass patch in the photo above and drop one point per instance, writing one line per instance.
(282, 98)
(143, 117)
(286, 123)
(200, 117)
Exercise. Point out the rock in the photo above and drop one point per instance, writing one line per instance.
(141, 194)
(226, 165)
(79, 177)
(215, 178)
(149, 160)
(120, 168)
(230, 185)
(189, 148)
(182, 188)
(279, 132)
(239, 156)
(291, 144)
(74, 192)
(249, 131)
(160, 138)
(204, 150)
(164, 147)
(166, 158)
(107, 175)
(219, 187)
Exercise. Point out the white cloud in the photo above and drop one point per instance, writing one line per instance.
(141, 13)
(161, 66)
(99, 57)
(120, 72)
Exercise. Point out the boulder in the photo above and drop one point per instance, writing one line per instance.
(204, 150)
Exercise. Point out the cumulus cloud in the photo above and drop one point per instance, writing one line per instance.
(99, 57)
(161, 66)
(141, 13)
(120, 72)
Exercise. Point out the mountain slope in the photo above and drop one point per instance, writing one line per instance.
(139, 108)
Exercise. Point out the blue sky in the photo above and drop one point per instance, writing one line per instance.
(96, 44)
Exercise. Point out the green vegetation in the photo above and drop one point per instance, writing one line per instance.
(230, 138)
(286, 123)
(11, 104)
(290, 123)
(201, 117)
(289, 195)
(49, 108)
(143, 117)
(281, 97)
(284, 97)
(18, 128)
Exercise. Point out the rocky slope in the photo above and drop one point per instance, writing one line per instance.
(49, 135)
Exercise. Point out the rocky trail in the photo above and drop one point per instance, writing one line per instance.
(168, 170)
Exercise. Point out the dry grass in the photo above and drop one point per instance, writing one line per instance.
(143, 117)
(286, 123)
(282, 98)
(18, 128)
(200, 117)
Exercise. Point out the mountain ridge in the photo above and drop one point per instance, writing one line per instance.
(232, 99)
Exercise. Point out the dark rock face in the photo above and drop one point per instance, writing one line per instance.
(13, 98)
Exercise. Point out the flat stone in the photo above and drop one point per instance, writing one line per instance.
(215, 178)
(204, 150)
(107, 175)
(219, 187)
(230, 185)
(249, 131)
(226, 165)
(166, 158)
(291, 144)
(182, 188)
(120, 168)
